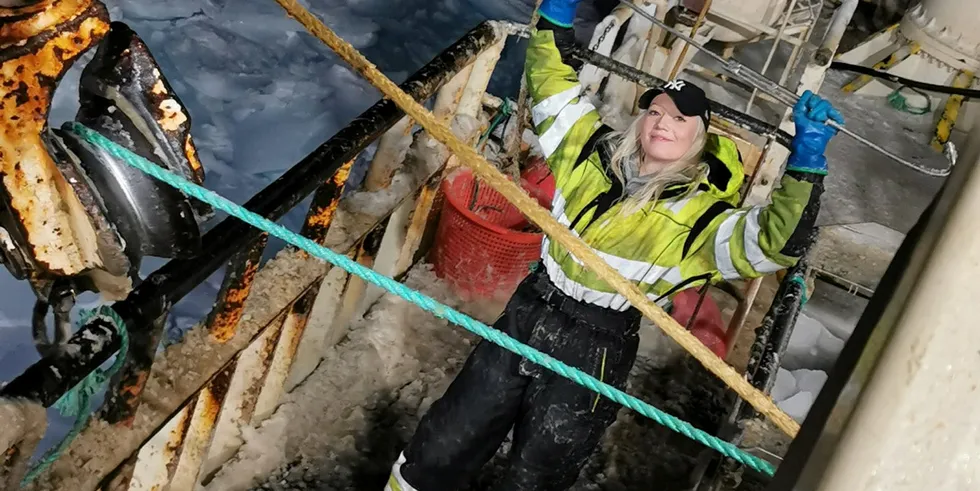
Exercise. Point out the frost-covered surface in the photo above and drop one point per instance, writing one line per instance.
(824, 325)
(347, 417)
(344, 426)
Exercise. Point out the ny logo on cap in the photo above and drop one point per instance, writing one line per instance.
(674, 85)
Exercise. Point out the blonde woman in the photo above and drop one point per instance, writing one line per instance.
(657, 202)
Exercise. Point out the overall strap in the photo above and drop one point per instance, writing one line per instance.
(717, 208)
(605, 200)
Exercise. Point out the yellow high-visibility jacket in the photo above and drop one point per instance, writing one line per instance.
(662, 245)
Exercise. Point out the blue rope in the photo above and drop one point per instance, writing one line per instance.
(76, 402)
(424, 302)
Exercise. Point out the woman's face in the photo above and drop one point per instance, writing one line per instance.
(665, 133)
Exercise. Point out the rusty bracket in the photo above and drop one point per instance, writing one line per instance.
(38, 44)
(68, 209)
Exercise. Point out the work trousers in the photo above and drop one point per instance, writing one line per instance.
(557, 423)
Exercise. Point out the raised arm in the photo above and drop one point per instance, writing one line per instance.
(563, 120)
(755, 241)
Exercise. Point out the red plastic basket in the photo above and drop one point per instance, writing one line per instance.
(482, 246)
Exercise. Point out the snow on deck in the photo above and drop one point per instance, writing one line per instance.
(344, 426)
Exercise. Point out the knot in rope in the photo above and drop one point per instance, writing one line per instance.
(76, 403)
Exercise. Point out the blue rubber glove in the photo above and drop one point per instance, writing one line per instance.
(559, 12)
(812, 134)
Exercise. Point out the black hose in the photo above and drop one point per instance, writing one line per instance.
(915, 84)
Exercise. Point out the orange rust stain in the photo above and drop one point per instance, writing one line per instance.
(175, 445)
(136, 388)
(27, 84)
(321, 216)
(46, 15)
(158, 88)
(270, 346)
(301, 323)
(214, 395)
(133, 392)
(226, 322)
(29, 9)
(190, 151)
(340, 177)
(421, 215)
(301, 317)
(9, 454)
(172, 115)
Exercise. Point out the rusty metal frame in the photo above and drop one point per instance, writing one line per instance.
(235, 287)
(260, 374)
(38, 44)
(771, 341)
(175, 279)
(186, 446)
(205, 432)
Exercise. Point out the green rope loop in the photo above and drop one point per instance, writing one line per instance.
(503, 113)
(898, 101)
(76, 403)
(425, 302)
(803, 289)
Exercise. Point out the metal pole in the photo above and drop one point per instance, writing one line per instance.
(727, 113)
(628, 72)
(772, 51)
(694, 30)
(782, 94)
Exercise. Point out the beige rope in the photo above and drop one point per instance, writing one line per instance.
(694, 30)
(513, 154)
(542, 218)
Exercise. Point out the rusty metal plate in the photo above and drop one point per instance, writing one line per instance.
(35, 51)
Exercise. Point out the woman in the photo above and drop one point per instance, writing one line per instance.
(657, 203)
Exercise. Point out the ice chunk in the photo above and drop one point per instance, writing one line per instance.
(799, 353)
(809, 380)
(797, 406)
(171, 9)
(785, 385)
(811, 345)
(828, 348)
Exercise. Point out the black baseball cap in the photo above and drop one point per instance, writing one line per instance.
(689, 99)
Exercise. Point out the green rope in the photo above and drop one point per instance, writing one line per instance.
(76, 402)
(505, 111)
(424, 302)
(803, 293)
(898, 101)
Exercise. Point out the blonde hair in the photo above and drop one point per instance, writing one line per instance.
(627, 149)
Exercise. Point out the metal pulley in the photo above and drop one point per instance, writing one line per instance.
(72, 217)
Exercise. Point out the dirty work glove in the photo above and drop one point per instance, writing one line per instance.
(559, 12)
(812, 134)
